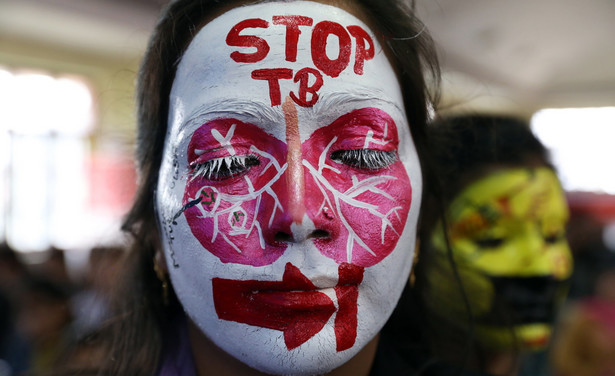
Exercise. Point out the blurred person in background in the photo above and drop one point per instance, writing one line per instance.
(585, 340)
(14, 347)
(53, 267)
(44, 319)
(592, 257)
(505, 223)
(12, 272)
(91, 304)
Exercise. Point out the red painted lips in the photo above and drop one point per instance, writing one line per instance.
(294, 305)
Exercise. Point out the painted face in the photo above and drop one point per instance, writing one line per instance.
(290, 186)
(507, 233)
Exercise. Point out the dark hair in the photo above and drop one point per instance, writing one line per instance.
(465, 147)
(143, 316)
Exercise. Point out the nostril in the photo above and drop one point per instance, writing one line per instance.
(283, 237)
(319, 234)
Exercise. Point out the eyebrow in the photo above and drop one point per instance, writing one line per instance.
(338, 98)
(267, 114)
(250, 109)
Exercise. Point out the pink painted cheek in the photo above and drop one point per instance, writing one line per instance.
(364, 227)
(231, 217)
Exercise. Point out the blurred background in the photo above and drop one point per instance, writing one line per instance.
(67, 120)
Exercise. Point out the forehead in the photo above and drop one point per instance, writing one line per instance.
(520, 193)
(251, 58)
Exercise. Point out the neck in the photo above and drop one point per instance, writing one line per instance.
(209, 359)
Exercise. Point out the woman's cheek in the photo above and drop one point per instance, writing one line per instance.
(229, 216)
(370, 209)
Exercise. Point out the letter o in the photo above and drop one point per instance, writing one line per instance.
(320, 35)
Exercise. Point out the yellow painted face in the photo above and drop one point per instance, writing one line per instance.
(507, 235)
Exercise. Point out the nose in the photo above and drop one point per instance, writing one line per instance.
(294, 225)
(300, 232)
(531, 249)
(295, 180)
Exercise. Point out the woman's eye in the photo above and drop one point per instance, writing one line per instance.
(489, 242)
(365, 159)
(224, 168)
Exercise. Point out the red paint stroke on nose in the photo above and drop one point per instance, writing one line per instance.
(347, 292)
(293, 305)
(294, 175)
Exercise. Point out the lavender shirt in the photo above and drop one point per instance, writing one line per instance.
(177, 355)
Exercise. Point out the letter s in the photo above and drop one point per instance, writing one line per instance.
(234, 39)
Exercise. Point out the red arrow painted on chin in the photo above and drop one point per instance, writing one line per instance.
(292, 305)
(347, 292)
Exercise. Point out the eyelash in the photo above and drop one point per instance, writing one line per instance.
(495, 242)
(228, 167)
(365, 159)
(224, 168)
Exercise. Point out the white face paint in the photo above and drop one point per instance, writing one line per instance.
(290, 186)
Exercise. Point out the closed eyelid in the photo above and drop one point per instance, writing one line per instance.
(224, 167)
(219, 138)
(200, 152)
(365, 159)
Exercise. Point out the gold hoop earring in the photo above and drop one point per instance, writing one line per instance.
(165, 282)
(414, 262)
